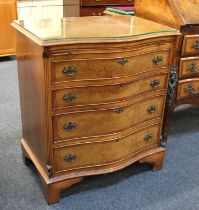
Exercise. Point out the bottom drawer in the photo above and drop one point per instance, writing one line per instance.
(103, 153)
(188, 88)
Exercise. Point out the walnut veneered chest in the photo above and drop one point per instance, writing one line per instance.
(92, 99)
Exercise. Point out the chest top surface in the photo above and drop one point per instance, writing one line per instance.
(54, 31)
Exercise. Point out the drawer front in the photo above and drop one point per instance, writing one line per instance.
(106, 2)
(110, 93)
(93, 69)
(188, 88)
(104, 122)
(189, 67)
(92, 11)
(107, 152)
(191, 45)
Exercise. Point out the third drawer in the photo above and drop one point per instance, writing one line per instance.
(85, 124)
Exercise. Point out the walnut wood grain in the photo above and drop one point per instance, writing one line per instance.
(8, 13)
(189, 67)
(89, 69)
(87, 122)
(188, 45)
(87, 95)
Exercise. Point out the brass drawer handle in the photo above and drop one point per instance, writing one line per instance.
(155, 83)
(70, 157)
(193, 68)
(148, 137)
(158, 60)
(190, 90)
(122, 61)
(70, 71)
(69, 97)
(195, 45)
(151, 109)
(70, 126)
(118, 110)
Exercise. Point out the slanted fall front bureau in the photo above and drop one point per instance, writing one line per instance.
(93, 94)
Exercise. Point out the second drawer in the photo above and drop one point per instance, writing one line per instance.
(107, 121)
(104, 94)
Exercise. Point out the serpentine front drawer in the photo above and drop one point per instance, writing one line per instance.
(103, 153)
(106, 121)
(108, 68)
(96, 94)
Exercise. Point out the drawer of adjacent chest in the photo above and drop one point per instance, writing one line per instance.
(103, 153)
(108, 68)
(190, 45)
(188, 88)
(189, 67)
(109, 93)
(105, 2)
(107, 121)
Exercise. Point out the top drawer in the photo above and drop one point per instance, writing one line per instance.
(190, 45)
(108, 68)
(106, 2)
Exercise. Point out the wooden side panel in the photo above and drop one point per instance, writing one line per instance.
(157, 10)
(32, 79)
(7, 37)
(187, 10)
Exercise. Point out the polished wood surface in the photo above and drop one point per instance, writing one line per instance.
(55, 31)
(8, 13)
(119, 149)
(67, 143)
(87, 122)
(110, 68)
(188, 88)
(188, 45)
(189, 67)
(175, 13)
(85, 95)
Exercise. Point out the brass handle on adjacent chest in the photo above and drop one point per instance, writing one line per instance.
(118, 110)
(158, 60)
(69, 126)
(195, 45)
(70, 157)
(190, 90)
(155, 83)
(193, 68)
(122, 61)
(148, 137)
(70, 71)
(69, 97)
(151, 109)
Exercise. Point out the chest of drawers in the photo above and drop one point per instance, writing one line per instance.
(97, 7)
(92, 105)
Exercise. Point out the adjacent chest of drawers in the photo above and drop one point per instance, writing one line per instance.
(97, 7)
(92, 106)
(182, 15)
